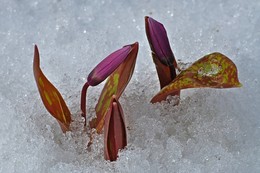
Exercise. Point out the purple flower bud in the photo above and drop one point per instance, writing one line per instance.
(108, 65)
(159, 42)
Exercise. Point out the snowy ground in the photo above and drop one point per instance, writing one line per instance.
(210, 131)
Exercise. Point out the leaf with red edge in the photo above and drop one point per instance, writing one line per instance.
(115, 85)
(212, 71)
(115, 137)
(50, 96)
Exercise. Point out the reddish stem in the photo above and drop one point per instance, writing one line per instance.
(83, 101)
(173, 72)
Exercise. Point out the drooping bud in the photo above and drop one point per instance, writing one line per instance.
(104, 69)
(108, 66)
(115, 85)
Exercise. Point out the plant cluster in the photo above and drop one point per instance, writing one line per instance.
(213, 71)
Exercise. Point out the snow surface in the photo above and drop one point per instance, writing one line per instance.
(210, 131)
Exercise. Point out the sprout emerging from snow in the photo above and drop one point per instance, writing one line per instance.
(214, 71)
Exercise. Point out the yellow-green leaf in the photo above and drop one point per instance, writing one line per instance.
(213, 71)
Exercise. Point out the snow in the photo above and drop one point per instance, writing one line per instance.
(210, 131)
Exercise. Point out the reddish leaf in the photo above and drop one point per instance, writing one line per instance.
(115, 131)
(115, 85)
(50, 96)
(213, 71)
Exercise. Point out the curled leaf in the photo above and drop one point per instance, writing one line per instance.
(102, 71)
(212, 71)
(115, 85)
(162, 54)
(50, 96)
(114, 131)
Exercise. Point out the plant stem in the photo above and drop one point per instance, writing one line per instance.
(83, 101)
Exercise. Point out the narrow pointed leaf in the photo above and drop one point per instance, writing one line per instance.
(212, 71)
(115, 137)
(50, 96)
(102, 71)
(115, 85)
